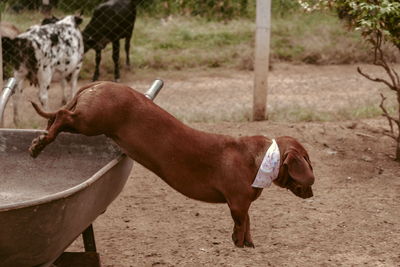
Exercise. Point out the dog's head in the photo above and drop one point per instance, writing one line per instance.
(295, 172)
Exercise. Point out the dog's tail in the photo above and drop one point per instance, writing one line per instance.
(46, 115)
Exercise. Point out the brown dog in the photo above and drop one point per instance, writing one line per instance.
(203, 166)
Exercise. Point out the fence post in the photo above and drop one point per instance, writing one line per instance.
(46, 8)
(261, 59)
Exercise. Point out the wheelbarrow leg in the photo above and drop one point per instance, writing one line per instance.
(88, 239)
(89, 258)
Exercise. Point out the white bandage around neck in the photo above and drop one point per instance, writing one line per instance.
(269, 168)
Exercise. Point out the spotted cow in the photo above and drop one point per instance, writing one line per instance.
(46, 53)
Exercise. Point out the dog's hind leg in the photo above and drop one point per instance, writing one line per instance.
(58, 122)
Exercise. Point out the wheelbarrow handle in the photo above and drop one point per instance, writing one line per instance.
(154, 89)
(5, 95)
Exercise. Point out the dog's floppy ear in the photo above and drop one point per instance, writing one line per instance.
(299, 168)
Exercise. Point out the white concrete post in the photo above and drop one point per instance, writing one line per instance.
(46, 8)
(261, 59)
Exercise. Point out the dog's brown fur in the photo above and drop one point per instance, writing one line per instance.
(208, 167)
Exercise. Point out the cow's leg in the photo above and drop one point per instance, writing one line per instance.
(16, 97)
(44, 78)
(127, 48)
(63, 92)
(74, 80)
(115, 56)
(97, 68)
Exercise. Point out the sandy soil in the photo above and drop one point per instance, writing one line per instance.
(352, 220)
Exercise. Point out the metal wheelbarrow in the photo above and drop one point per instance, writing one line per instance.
(46, 203)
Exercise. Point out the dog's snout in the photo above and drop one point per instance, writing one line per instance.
(307, 193)
(302, 191)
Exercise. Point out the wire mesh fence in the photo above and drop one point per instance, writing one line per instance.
(41, 30)
(104, 22)
(44, 41)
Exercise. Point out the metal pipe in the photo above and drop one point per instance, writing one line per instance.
(9, 88)
(8, 91)
(154, 89)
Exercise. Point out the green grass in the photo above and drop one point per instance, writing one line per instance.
(180, 42)
(238, 115)
(316, 38)
(289, 114)
(192, 42)
(307, 114)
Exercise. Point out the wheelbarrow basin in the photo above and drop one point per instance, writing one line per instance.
(47, 202)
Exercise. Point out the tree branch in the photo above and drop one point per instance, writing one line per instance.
(379, 60)
(390, 135)
(376, 79)
(387, 115)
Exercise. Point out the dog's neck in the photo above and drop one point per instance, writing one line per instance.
(269, 167)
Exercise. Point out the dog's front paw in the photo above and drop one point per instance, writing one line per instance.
(37, 146)
(237, 242)
(249, 244)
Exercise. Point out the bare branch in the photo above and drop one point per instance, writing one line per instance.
(385, 112)
(389, 135)
(376, 38)
(379, 60)
(366, 135)
(397, 78)
(376, 79)
(387, 115)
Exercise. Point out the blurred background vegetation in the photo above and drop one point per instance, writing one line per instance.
(193, 34)
(177, 34)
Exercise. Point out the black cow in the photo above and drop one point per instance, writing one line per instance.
(111, 21)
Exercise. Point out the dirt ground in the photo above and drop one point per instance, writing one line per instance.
(352, 220)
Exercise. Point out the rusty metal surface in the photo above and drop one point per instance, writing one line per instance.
(45, 203)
